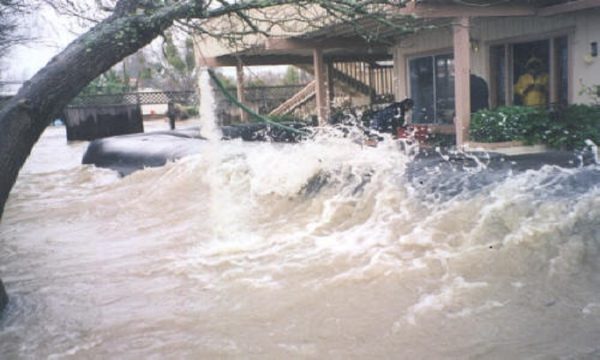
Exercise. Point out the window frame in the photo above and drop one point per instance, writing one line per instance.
(509, 80)
(433, 54)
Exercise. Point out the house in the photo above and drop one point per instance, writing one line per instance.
(359, 67)
(447, 42)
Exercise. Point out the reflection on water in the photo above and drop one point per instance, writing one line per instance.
(316, 250)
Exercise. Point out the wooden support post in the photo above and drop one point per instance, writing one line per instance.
(321, 86)
(401, 84)
(330, 84)
(553, 96)
(240, 90)
(371, 82)
(462, 83)
(381, 89)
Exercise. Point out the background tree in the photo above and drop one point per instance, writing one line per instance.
(111, 82)
(177, 64)
(10, 11)
(166, 64)
(9, 36)
(292, 76)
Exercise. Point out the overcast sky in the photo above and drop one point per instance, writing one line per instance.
(52, 33)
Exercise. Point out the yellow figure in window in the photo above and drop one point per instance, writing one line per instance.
(532, 86)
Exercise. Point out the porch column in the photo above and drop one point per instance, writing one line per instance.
(330, 85)
(462, 83)
(371, 82)
(321, 86)
(240, 89)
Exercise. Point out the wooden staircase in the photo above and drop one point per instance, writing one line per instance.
(351, 76)
(299, 99)
(355, 78)
(354, 82)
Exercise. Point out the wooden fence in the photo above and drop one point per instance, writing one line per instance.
(91, 117)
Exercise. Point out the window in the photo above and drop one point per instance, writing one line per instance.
(498, 56)
(533, 73)
(432, 89)
(531, 63)
(561, 59)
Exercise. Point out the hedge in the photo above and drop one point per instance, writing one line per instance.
(562, 128)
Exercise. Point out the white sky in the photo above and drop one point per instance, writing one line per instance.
(52, 33)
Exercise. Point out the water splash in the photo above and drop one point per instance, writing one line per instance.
(210, 127)
(324, 248)
(594, 149)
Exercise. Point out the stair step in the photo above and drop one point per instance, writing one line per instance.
(300, 98)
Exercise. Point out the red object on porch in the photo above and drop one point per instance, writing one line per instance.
(414, 132)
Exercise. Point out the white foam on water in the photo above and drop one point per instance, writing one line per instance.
(594, 148)
(322, 249)
(591, 309)
(440, 300)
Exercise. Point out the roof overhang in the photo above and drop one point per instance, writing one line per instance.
(342, 42)
(483, 8)
(298, 56)
(433, 10)
(567, 7)
(339, 43)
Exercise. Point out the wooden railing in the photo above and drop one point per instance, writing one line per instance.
(267, 98)
(370, 79)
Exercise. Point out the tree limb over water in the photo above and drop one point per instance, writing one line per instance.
(129, 26)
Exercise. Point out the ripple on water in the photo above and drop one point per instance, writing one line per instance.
(323, 249)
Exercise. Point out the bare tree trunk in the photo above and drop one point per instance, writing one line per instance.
(24, 118)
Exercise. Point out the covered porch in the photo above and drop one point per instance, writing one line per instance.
(477, 52)
(449, 34)
(343, 63)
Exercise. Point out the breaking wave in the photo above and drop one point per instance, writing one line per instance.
(321, 249)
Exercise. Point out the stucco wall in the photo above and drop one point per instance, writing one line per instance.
(586, 69)
(582, 28)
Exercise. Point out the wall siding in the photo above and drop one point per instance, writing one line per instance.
(586, 70)
(583, 28)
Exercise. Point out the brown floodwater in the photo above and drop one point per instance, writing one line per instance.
(323, 249)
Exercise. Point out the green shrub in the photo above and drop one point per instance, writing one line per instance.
(567, 128)
(283, 118)
(192, 110)
(507, 123)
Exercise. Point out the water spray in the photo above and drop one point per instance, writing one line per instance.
(256, 115)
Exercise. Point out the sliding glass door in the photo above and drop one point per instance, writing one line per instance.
(432, 89)
(532, 73)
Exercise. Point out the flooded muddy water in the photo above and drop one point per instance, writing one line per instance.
(324, 249)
